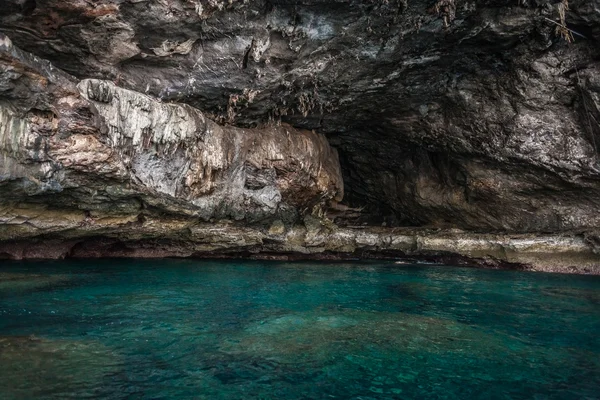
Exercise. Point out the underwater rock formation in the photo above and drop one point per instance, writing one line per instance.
(33, 366)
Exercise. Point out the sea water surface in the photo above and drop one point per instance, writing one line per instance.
(193, 329)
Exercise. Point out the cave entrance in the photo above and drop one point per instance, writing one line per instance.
(394, 183)
(373, 172)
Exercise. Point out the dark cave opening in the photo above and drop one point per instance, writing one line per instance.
(371, 180)
(396, 183)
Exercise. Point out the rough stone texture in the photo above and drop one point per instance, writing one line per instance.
(452, 113)
(41, 235)
(101, 149)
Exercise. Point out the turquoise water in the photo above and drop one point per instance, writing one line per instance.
(172, 329)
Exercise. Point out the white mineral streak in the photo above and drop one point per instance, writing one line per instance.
(23, 156)
(168, 48)
(132, 115)
(14, 133)
(5, 42)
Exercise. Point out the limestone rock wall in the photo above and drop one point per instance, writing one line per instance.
(103, 150)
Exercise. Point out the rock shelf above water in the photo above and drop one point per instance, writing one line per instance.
(57, 236)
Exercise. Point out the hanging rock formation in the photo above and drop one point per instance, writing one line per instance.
(101, 149)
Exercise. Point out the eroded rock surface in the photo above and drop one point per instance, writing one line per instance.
(99, 149)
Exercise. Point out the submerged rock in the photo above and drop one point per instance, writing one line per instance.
(33, 367)
(24, 281)
(314, 336)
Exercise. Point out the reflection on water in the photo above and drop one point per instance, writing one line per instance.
(240, 330)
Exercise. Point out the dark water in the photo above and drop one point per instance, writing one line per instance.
(250, 330)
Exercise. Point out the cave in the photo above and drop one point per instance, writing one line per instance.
(299, 199)
(478, 117)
